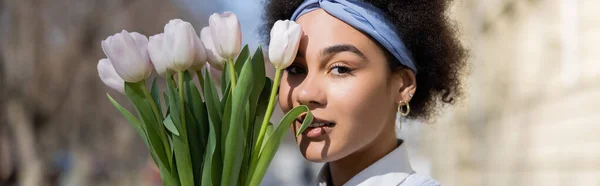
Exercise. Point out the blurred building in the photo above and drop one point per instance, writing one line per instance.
(531, 114)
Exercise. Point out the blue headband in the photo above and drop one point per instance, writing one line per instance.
(366, 18)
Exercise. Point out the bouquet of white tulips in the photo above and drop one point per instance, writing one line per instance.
(200, 138)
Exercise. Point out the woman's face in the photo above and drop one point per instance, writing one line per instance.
(342, 75)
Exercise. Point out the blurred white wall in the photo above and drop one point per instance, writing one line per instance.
(531, 115)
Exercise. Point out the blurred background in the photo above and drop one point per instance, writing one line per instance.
(530, 117)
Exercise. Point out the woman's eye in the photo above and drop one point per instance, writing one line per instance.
(340, 70)
(294, 69)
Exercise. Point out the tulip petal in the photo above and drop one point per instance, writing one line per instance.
(284, 43)
(158, 54)
(127, 53)
(294, 34)
(214, 59)
(200, 55)
(179, 39)
(141, 42)
(105, 46)
(122, 55)
(108, 50)
(216, 36)
(109, 76)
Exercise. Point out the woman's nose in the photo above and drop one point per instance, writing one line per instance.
(311, 92)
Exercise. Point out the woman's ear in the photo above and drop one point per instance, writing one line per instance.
(405, 85)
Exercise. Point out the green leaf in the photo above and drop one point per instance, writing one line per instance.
(225, 123)
(198, 129)
(248, 132)
(235, 137)
(302, 127)
(171, 102)
(261, 110)
(155, 132)
(212, 164)
(155, 95)
(272, 143)
(241, 59)
(258, 100)
(193, 147)
(224, 79)
(260, 80)
(244, 168)
(167, 177)
(268, 134)
(180, 143)
(226, 95)
(258, 67)
(168, 122)
(212, 101)
(183, 160)
(134, 122)
(199, 111)
(166, 101)
(213, 157)
(172, 99)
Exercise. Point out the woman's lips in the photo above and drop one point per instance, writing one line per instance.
(318, 127)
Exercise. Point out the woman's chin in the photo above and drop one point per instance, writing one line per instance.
(317, 151)
(315, 157)
(317, 160)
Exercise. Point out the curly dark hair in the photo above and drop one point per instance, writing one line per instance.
(429, 34)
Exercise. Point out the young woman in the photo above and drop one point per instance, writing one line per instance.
(359, 64)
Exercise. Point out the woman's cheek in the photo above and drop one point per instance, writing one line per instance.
(346, 95)
(284, 96)
(359, 100)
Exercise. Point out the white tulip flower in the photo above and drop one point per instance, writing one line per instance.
(226, 34)
(159, 54)
(214, 59)
(284, 42)
(128, 54)
(179, 40)
(200, 55)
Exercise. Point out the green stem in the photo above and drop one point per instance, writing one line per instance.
(159, 119)
(263, 127)
(181, 99)
(232, 75)
(182, 151)
(200, 78)
(167, 177)
(152, 103)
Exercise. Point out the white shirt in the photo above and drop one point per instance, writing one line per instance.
(392, 170)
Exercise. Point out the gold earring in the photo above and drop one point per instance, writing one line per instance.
(404, 112)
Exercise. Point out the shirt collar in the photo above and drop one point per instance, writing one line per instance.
(392, 169)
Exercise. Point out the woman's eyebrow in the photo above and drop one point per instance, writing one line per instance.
(334, 49)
